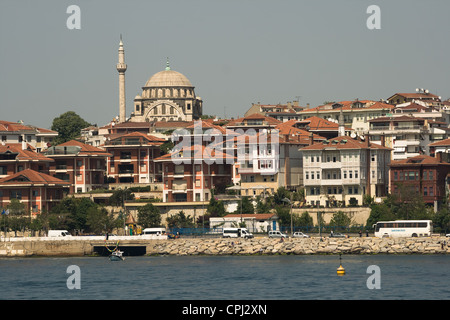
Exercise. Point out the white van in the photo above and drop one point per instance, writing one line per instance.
(154, 231)
(59, 233)
(236, 233)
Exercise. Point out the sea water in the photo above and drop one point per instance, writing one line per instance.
(284, 277)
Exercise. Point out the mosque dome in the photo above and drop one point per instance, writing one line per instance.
(168, 78)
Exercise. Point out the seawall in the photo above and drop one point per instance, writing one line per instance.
(220, 246)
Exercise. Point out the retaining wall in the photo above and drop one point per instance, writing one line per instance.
(220, 246)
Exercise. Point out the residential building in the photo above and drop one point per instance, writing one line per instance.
(17, 132)
(16, 157)
(422, 175)
(356, 113)
(281, 112)
(132, 160)
(190, 173)
(336, 170)
(80, 165)
(36, 190)
(419, 95)
(408, 136)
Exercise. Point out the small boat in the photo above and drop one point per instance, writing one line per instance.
(116, 256)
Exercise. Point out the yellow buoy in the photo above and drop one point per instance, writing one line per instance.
(340, 270)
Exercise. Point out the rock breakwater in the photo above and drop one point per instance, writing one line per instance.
(314, 245)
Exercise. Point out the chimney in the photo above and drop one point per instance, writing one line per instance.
(383, 140)
(438, 156)
(311, 138)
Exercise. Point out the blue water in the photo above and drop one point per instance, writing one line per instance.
(227, 277)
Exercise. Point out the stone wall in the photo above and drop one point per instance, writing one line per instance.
(313, 245)
(220, 246)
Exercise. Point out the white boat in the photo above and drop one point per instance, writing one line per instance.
(116, 256)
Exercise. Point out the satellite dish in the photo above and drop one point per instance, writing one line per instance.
(353, 135)
(426, 91)
(417, 89)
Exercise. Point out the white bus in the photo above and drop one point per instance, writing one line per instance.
(403, 228)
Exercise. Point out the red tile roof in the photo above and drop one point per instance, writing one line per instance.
(86, 149)
(31, 177)
(445, 142)
(23, 155)
(343, 142)
(258, 216)
(418, 160)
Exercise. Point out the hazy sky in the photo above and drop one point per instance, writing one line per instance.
(235, 53)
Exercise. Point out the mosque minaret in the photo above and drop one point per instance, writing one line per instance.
(121, 67)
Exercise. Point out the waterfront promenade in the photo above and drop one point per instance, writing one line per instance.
(79, 246)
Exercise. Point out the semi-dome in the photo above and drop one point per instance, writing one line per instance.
(168, 78)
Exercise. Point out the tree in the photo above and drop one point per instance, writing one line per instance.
(99, 220)
(246, 205)
(180, 220)
(119, 196)
(340, 219)
(149, 216)
(68, 125)
(18, 219)
(305, 220)
(281, 194)
(215, 208)
(262, 206)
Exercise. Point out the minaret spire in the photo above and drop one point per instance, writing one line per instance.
(167, 64)
(121, 68)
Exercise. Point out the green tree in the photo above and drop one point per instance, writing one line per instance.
(68, 125)
(246, 205)
(441, 220)
(262, 206)
(215, 208)
(340, 219)
(99, 220)
(284, 216)
(18, 218)
(119, 196)
(281, 194)
(304, 220)
(180, 220)
(149, 216)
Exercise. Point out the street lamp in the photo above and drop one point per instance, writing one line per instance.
(291, 203)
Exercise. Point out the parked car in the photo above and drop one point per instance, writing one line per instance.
(277, 234)
(447, 235)
(300, 235)
(337, 235)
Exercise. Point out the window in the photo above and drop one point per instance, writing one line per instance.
(425, 175)
(318, 175)
(431, 191)
(395, 175)
(350, 174)
(425, 191)
(307, 175)
(431, 175)
(345, 174)
(356, 173)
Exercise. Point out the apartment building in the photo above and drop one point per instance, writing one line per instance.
(80, 165)
(336, 170)
(16, 157)
(190, 173)
(408, 136)
(36, 190)
(17, 132)
(423, 175)
(132, 160)
(356, 114)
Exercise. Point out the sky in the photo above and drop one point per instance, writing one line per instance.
(235, 53)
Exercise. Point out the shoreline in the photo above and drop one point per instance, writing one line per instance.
(234, 246)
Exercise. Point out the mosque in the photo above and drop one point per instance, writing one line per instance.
(167, 96)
